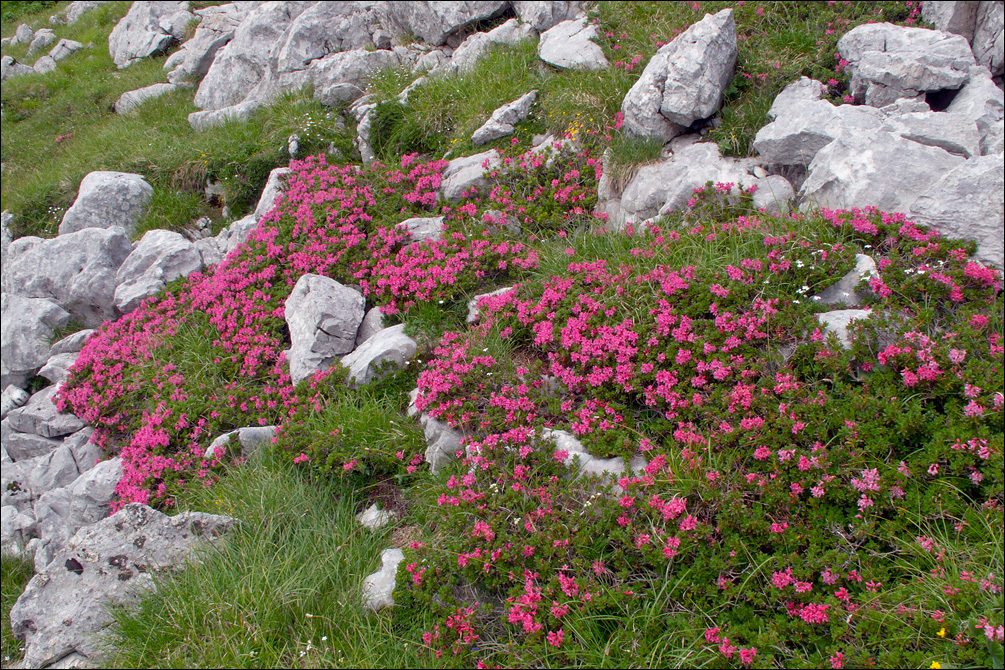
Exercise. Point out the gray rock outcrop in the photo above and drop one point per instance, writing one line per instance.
(323, 318)
(388, 348)
(570, 45)
(466, 56)
(215, 30)
(434, 22)
(40, 417)
(160, 256)
(27, 328)
(503, 119)
(64, 608)
(547, 14)
(889, 62)
(464, 173)
(75, 270)
(148, 28)
(684, 81)
(968, 202)
(106, 200)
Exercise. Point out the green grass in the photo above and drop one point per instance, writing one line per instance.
(282, 591)
(15, 572)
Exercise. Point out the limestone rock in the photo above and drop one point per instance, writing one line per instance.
(250, 439)
(342, 77)
(63, 511)
(274, 187)
(323, 317)
(503, 119)
(130, 100)
(63, 609)
(389, 346)
(434, 22)
(989, 42)
(27, 328)
(43, 38)
(442, 442)
(958, 18)
(423, 227)
(327, 27)
(467, 172)
(238, 113)
(65, 48)
(215, 30)
(11, 68)
(86, 454)
(160, 256)
(477, 45)
(16, 528)
(23, 35)
(72, 12)
(374, 518)
(570, 45)
(803, 128)
(239, 66)
(968, 202)
(12, 398)
(475, 303)
(40, 417)
(956, 134)
(24, 446)
(983, 103)
(888, 62)
(685, 80)
(148, 28)
(544, 15)
(882, 170)
(797, 93)
(774, 194)
(71, 344)
(372, 324)
(378, 587)
(837, 322)
(54, 470)
(106, 200)
(843, 292)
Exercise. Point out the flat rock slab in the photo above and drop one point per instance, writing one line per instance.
(107, 200)
(130, 100)
(837, 322)
(40, 417)
(569, 45)
(323, 317)
(64, 608)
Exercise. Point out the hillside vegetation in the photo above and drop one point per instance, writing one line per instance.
(787, 500)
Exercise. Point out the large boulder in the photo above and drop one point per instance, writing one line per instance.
(804, 127)
(954, 133)
(388, 348)
(11, 68)
(685, 80)
(983, 103)
(342, 77)
(43, 38)
(503, 119)
(325, 28)
(22, 447)
(27, 326)
(968, 202)
(889, 62)
(160, 257)
(76, 270)
(571, 45)
(239, 66)
(106, 200)
(215, 30)
(63, 609)
(434, 22)
(881, 170)
(323, 317)
(958, 18)
(148, 28)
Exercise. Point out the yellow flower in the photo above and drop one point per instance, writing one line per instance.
(936, 665)
(942, 633)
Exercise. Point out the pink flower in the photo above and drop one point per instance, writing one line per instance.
(555, 638)
(747, 655)
(302, 458)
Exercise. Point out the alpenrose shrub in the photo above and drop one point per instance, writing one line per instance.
(773, 474)
(207, 356)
